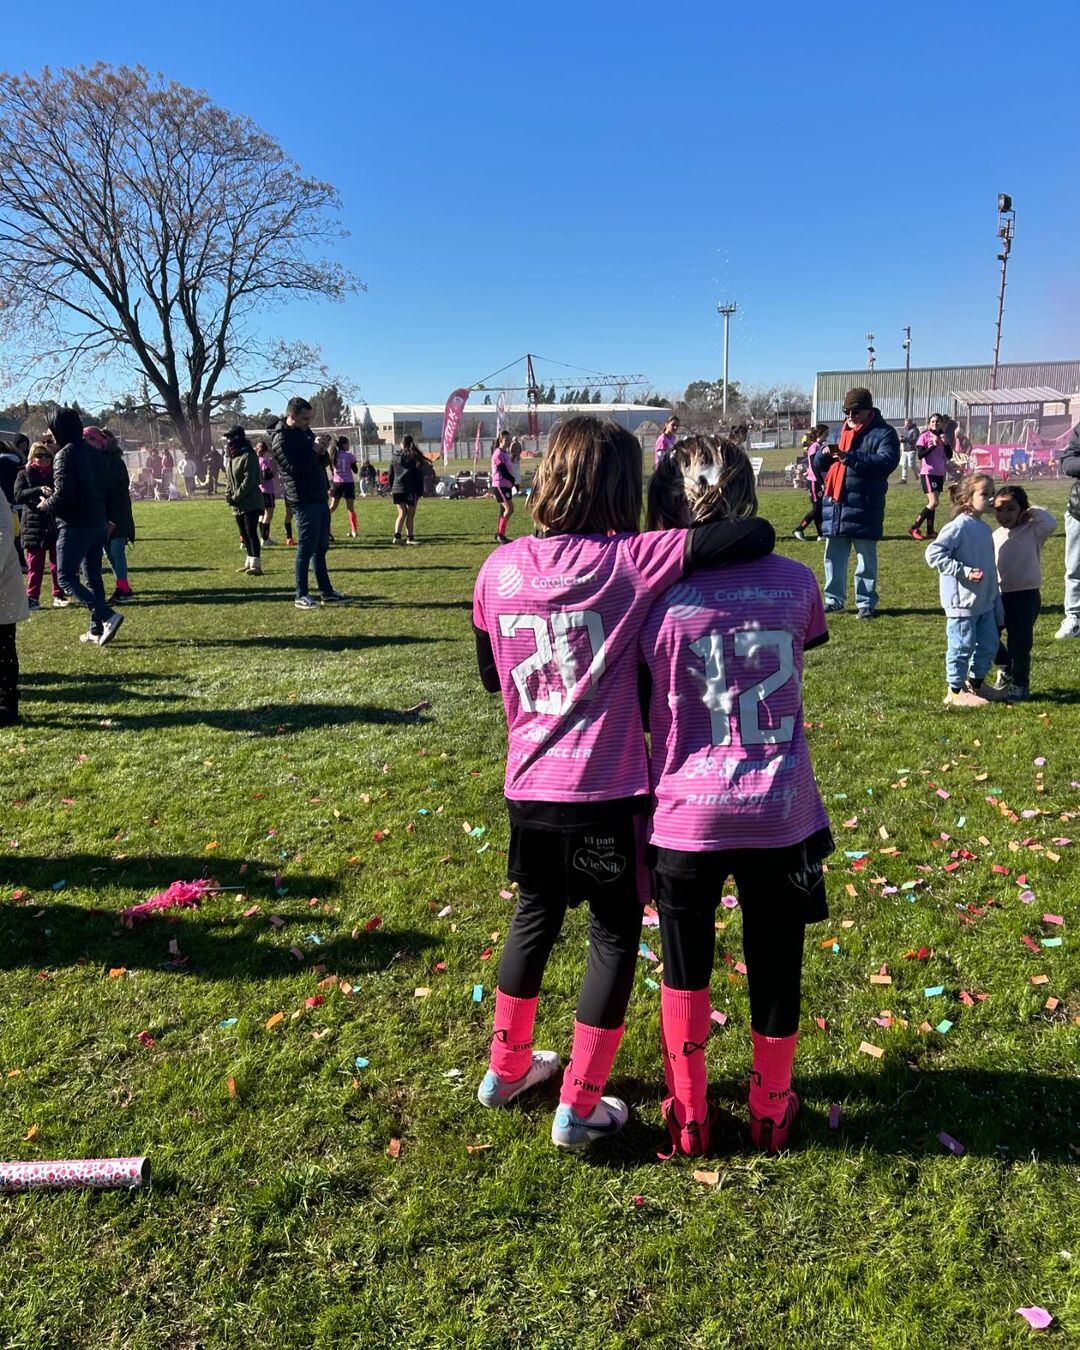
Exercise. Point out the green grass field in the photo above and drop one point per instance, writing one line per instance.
(300, 1200)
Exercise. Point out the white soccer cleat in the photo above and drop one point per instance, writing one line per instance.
(496, 1091)
(569, 1130)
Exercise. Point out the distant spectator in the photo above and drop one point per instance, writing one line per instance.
(214, 463)
(1070, 466)
(909, 434)
(13, 609)
(855, 479)
(666, 440)
(38, 528)
(303, 477)
(188, 471)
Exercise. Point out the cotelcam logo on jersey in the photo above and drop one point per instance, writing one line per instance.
(684, 601)
(560, 582)
(736, 593)
(508, 581)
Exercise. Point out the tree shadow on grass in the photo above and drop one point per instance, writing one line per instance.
(42, 687)
(267, 719)
(899, 1111)
(310, 642)
(1056, 696)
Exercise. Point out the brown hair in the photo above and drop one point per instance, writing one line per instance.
(1017, 493)
(960, 494)
(702, 478)
(589, 481)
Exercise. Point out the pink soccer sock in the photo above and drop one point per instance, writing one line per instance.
(501, 528)
(770, 1078)
(352, 521)
(511, 1042)
(590, 1064)
(684, 1016)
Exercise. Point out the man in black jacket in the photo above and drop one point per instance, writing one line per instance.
(303, 476)
(1070, 465)
(77, 504)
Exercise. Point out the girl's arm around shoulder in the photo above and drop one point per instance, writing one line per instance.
(721, 543)
(1042, 522)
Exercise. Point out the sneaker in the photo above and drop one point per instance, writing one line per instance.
(333, 598)
(398, 539)
(61, 601)
(770, 1136)
(931, 534)
(1001, 680)
(1018, 693)
(867, 614)
(965, 698)
(269, 543)
(110, 629)
(569, 1130)
(411, 542)
(800, 535)
(33, 604)
(688, 1141)
(305, 602)
(1070, 628)
(256, 567)
(832, 607)
(90, 636)
(352, 534)
(916, 533)
(496, 1091)
(993, 693)
(120, 597)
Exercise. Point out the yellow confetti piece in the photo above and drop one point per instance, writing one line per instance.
(478, 1148)
(211, 845)
(421, 992)
(272, 1022)
(14, 1073)
(881, 979)
(874, 1051)
(707, 1178)
(117, 972)
(31, 1133)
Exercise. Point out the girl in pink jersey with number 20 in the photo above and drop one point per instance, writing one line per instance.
(734, 792)
(557, 618)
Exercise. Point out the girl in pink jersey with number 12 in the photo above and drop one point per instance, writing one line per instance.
(734, 792)
(557, 618)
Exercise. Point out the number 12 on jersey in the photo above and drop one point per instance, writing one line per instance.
(720, 697)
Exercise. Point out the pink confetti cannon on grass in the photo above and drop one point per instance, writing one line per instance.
(181, 894)
(74, 1174)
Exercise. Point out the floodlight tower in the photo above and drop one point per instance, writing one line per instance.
(727, 310)
(870, 351)
(1006, 225)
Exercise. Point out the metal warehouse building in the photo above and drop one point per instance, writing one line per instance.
(931, 387)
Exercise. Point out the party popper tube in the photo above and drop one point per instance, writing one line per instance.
(74, 1174)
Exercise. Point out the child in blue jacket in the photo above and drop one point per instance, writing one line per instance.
(963, 553)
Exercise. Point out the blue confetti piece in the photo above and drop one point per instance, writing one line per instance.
(478, 831)
(961, 821)
(839, 796)
(855, 853)
(933, 991)
(836, 947)
(643, 948)
(477, 993)
(58, 885)
(943, 1026)
(904, 771)
(652, 984)
(361, 1062)
(869, 792)
(908, 885)
(1051, 942)
(315, 938)
(482, 849)
(227, 1023)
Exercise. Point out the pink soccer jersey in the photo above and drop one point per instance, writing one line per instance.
(730, 764)
(502, 469)
(563, 614)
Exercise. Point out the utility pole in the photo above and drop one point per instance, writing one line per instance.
(1006, 225)
(870, 351)
(907, 370)
(727, 311)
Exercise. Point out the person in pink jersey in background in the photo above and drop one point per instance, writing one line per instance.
(503, 481)
(343, 465)
(665, 442)
(556, 618)
(934, 453)
(734, 791)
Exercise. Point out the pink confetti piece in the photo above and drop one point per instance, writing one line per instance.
(1053, 918)
(144, 1038)
(729, 902)
(850, 824)
(295, 951)
(954, 1146)
(943, 794)
(719, 1017)
(740, 968)
(1036, 1318)
(506, 895)
(1029, 943)
(1026, 897)
(1062, 843)
(834, 1116)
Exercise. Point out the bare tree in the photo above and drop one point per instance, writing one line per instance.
(144, 229)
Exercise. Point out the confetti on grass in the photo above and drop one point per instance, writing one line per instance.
(1036, 1318)
(954, 1146)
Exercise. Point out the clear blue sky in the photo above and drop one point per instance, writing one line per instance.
(586, 180)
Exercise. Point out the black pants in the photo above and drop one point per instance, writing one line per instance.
(556, 870)
(1014, 653)
(9, 675)
(247, 522)
(776, 904)
(812, 517)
